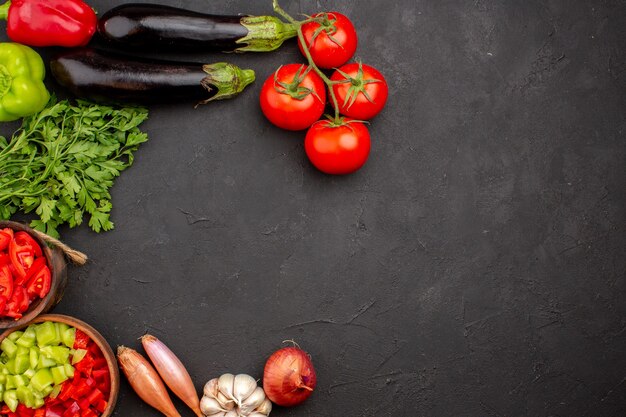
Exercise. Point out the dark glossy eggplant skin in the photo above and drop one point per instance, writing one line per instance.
(157, 28)
(101, 76)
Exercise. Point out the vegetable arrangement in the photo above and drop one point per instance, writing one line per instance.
(63, 160)
(24, 273)
(52, 369)
(288, 380)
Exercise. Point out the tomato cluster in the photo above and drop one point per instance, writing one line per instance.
(295, 96)
(24, 273)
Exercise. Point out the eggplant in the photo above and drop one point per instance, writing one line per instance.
(157, 28)
(102, 76)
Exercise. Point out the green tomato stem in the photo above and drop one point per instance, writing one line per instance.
(280, 11)
(319, 72)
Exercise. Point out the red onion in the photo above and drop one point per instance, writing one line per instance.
(289, 377)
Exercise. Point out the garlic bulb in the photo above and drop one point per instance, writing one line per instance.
(234, 396)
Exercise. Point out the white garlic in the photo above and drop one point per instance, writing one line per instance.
(234, 396)
(243, 386)
(253, 401)
(210, 406)
(265, 408)
(225, 402)
(210, 388)
(226, 383)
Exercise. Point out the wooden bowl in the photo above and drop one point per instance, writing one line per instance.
(58, 273)
(96, 337)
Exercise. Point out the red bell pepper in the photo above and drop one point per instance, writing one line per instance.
(101, 406)
(66, 23)
(24, 411)
(5, 238)
(81, 341)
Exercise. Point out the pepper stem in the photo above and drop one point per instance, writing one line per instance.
(4, 10)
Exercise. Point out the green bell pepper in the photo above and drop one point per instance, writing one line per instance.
(22, 91)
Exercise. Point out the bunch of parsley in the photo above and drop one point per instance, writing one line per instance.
(62, 162)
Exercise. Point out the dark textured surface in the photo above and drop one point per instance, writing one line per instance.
(475, 267)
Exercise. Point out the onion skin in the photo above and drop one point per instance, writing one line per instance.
(172, 371)
(145, 381)
(289, 377)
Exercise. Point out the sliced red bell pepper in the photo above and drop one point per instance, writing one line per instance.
(5, 409)
(81, 340)
(40, 412)
(67, 391)
(55, 411)
(84, 404)
(86, 364)
(88, 413)
(24, 411)
(39, 284)
(95, 396)
(99, 374)
(101, 406)
(5, 259)
(80, 390)
(6, 281)
(72, 410)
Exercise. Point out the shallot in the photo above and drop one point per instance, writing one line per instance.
(145, 381)
(172, 371)
(289, 377)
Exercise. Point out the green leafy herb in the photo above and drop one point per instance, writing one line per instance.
(62, 162)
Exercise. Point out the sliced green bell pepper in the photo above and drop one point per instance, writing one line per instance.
(22, 91)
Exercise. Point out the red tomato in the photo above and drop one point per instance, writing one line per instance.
(5, 239)
(39, 283)
(36, 267)
(337, 149)
(22, 254)
(4, 259)
(24, 239)
(18, 303)
(6, 282)
(294, 97)
(331, 39)
(362, 91)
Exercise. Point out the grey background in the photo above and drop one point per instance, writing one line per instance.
(474, 267)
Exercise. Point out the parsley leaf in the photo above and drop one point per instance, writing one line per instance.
(62, 162)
